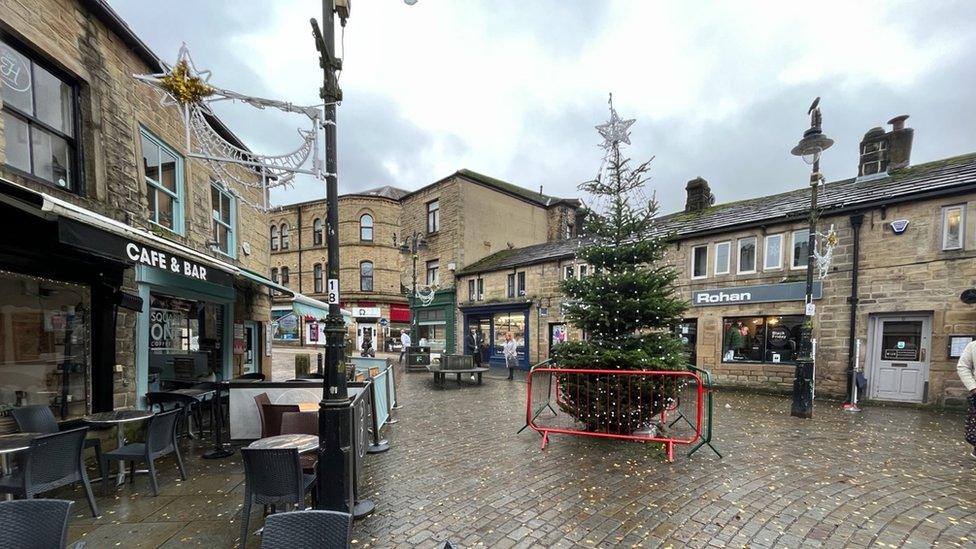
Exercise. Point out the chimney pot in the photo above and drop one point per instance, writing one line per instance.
(882, 152)
(898, 122)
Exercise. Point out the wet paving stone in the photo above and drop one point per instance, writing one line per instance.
(456, 470)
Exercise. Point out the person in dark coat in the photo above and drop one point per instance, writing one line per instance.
(472, 346)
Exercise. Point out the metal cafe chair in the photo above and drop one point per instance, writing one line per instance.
(302, 423)
(34, 523)
(52, 461)
(254, 376)
(164, 401)
(160, 441)
(307, 530)
(38, 418)
(272, 418)
(272, 477)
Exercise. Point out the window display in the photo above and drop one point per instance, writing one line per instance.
(44, 345)
(508, 322)
(769, 339)
(184, 338)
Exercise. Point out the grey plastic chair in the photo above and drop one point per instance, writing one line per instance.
(52, 461)
(34, 523)
(307, 530)
(272, 477)
(160, 441)
(38, 418)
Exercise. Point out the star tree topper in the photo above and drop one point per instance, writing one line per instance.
(615, 131)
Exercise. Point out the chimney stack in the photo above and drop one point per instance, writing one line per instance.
(882, 152)
(699, 195)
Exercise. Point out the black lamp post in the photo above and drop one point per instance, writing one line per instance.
(814, 142)
(334, 470)
(411, 245)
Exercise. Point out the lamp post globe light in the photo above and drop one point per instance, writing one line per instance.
(810, 147)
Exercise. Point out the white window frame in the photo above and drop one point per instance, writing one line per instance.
(510, 286)
(962, 226)
(803, 263)
(694, 250)
(720, 270)
(581, 271)
(779, 259)
(520, 283)
(363, 225)
(569, 271)
(432, 267)
(232, 227)
(433, 216)
(481, 289)
(179, 226)
(471, 291)
(738, 254)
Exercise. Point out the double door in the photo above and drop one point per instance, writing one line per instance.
(900, 348)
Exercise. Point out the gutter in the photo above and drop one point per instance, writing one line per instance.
(856, 221)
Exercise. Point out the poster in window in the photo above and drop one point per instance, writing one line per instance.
(164, 329)
(30, 339)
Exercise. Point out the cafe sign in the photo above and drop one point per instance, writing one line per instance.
(161, 260)
(760, 293)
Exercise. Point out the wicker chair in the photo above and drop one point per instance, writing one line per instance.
(272, 418)
(160, 441)
(272, 477)
(302, 423)
(34, 523)
(261, 400)
(52, 461)
(38, 418)
(307, 530)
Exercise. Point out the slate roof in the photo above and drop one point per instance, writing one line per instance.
(940, 177)
(386, 191)
(848, 194)
(511, 188)
(528, 255)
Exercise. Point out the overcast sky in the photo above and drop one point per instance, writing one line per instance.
(513, 88)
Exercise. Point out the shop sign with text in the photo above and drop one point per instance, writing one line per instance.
(761, 293)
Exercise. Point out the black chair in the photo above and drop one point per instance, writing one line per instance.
(34, 523)
(52, 461)
(257, 376)
(272, 414)
(307, 530)
(165, 401)
(272, 477)
(38, 418)
(160, 441)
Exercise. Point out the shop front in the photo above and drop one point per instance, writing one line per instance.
(58, 305)
(493, 322)
(434, 323)
(755, 325)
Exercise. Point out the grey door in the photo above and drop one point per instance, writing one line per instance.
(900, 358)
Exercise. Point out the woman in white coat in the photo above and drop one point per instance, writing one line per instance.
(967, 373)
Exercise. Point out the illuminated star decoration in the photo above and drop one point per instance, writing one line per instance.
(183, 83)
(615, 131)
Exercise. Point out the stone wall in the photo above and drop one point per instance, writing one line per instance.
(113, 107)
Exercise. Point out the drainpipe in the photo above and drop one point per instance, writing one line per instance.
(856, 221)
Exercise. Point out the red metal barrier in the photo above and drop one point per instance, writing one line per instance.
(620, 387)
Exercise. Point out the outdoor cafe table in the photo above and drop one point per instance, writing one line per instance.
(118, 418)
(11, 444)
(304, 443)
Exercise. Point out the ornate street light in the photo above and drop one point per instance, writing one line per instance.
(810, 147)
(411, 245)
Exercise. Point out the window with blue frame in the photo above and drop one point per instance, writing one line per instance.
(163, 171)
(224, 219)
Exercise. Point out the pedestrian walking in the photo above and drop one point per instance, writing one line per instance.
(472, 346)
(404, 343)
(967, 373)
(510, 350)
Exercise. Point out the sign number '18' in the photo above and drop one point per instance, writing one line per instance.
(333, 291)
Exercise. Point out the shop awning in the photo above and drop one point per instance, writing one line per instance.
(97, 234)
(307, 306)
(264, 281)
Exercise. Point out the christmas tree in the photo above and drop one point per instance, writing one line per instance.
(626, 306)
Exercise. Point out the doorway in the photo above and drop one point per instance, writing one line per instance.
(363, 332)
(687, 332)
(899, 347)
(251, 350)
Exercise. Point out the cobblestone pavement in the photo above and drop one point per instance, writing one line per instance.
(456, 470)
(887, 477)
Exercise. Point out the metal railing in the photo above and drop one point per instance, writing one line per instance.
(616, 404)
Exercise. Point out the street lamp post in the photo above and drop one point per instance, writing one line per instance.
(810, 147)
(334, 470)
(412, 245)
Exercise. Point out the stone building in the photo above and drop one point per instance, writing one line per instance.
(122, 259)
(891, 299)
(459, 219)
(370, 268)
